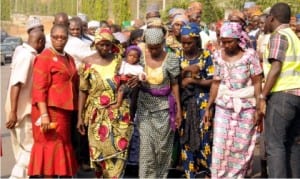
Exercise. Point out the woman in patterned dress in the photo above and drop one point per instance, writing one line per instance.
(197, 73)
(173, 41)
(109, 130)
(235, 91)
(158, 100)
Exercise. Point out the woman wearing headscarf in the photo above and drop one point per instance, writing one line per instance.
(109, 130)
(240, 17)
(173, 40)
(196, 78)
(158, 107)
(235, 91)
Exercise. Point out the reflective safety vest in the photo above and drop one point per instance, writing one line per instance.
(289, 77)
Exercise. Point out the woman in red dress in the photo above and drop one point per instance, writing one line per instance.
(54, 98)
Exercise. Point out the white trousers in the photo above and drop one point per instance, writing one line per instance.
(22, 141)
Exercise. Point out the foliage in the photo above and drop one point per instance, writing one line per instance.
(238, 4)
(95, 9)
(5, 11)
(101, 9)
(210, 12)
(121, 11)
(44, 7)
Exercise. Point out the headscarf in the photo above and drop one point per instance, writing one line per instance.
(238, 14)
(180, 18)
(155, 21)
(249, 4)
(255, 11)
(103, 34)
(152, 8)
(176, 11)
(154, 36)
(133, 47)
(234, 30)
(192, 29)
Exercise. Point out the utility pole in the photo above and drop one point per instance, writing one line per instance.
(164, 5)
(137, 9)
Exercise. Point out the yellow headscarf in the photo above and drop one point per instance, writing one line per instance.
(103, 34)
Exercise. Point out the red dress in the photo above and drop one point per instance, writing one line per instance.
(55, 81)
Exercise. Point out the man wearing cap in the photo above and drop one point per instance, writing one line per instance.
(282, 93)
(92, 26)
(34, 23)
(18, 102)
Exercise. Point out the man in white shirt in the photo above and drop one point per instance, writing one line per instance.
(18, 102)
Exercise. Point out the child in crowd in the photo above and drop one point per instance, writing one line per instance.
(128, 68)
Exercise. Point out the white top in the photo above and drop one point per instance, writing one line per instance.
(204, 39)
(75, 47)
(21, 72)
(262, 42)
(127, 69)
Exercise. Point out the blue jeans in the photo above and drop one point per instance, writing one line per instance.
(282, 127)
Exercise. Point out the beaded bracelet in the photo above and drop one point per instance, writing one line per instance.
(44, 115)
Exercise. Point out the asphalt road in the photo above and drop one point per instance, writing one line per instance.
(7, 160)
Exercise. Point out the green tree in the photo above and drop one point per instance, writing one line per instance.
(211, 12)
(121, 10)
(95, 9)
(5, 9)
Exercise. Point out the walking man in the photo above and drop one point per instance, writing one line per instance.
(18, 102)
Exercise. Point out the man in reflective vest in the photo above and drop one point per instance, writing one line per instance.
(282, 92)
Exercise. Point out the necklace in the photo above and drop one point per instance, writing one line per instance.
(58, 53)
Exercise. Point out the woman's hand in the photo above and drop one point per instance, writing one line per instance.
(207, 117)
(186, 81)
(178, 120)
(133, 81)
(45, 125)
(80, 126)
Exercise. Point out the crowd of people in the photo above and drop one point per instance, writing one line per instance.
(94, 96)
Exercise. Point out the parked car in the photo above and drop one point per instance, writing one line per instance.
(4, 35)
(13, 41)
(2, 60)
(6, 52)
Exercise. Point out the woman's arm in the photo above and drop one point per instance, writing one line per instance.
(175, 91)
(212, 97)
(41, 84)
(81, 103)
(257, 82)
(44, 116)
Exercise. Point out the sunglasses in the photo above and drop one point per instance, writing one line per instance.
(59, 37)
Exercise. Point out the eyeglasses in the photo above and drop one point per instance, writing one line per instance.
(57, 37)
